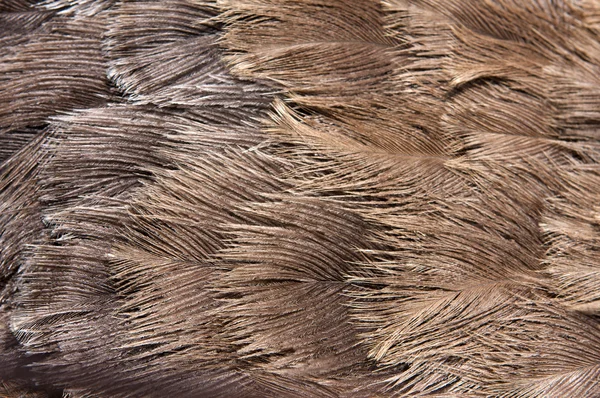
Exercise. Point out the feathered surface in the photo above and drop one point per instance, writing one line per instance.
(299, 198)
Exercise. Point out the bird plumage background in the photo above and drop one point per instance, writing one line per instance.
(300, 198)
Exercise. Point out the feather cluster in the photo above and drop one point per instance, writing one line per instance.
(300, 198)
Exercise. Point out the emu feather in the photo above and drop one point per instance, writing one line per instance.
(299, 198)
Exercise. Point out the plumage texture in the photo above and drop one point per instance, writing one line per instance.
(300, 198)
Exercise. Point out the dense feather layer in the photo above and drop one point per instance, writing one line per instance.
(417, 215)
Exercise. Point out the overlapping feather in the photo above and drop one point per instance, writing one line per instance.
(416, 216)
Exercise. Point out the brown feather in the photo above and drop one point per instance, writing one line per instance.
(299, 198)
